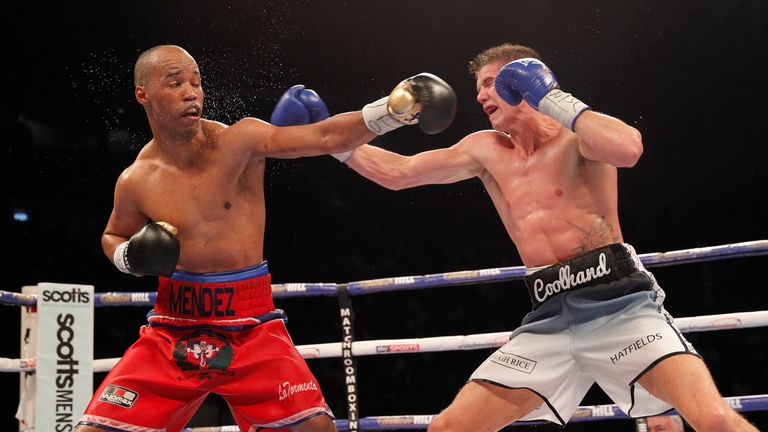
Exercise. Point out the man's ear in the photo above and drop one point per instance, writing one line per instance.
(141, 95)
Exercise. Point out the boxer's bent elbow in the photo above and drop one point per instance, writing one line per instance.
(633, 149)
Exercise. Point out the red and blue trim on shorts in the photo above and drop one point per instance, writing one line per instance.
(231, 300)
(218, 277)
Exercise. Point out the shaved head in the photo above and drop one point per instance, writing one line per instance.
(149, 58)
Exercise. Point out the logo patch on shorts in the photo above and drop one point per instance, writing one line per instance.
(635, 346)
(119, 396)
(513, 361)
(203, 353)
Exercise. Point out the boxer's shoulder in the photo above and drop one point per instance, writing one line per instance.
(211, 127)
(241, 134)
(487, 135)
(484, 142)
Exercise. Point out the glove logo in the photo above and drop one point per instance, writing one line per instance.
(202, 354)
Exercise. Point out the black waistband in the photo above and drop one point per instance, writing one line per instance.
(598, 266)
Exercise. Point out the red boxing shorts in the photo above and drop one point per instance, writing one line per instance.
(209, 333)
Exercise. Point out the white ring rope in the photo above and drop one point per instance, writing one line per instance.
(701, 323)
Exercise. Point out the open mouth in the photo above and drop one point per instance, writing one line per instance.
(191, 112)
(490, 109)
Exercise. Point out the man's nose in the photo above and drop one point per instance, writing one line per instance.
(190, 94)
(482, 96)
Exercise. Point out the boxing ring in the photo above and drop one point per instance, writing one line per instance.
(348, 349)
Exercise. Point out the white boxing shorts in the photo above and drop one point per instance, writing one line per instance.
(596, 318)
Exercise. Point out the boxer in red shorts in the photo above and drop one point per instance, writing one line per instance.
(216, 332)
(200, 183)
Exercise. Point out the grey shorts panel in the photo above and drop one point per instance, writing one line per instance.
(604, 334)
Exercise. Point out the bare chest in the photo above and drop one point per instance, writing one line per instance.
(547, 179)
(192, 198)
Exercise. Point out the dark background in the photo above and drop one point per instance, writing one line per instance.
(689, 75)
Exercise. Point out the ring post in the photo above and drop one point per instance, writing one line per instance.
(64, 354)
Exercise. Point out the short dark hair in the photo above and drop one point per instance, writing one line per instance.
(505, 53)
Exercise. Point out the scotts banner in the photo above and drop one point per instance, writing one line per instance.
(64, 355)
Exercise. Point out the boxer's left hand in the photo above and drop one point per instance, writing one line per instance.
(533, 81)
(298, 106)
(422, 99)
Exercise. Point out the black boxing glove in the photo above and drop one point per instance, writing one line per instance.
(154, 250)
(423, 99)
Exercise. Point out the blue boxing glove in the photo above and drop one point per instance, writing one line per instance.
(299, 106)
(531, 80)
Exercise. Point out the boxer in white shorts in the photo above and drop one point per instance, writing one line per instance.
(597, 318)
(550, 167)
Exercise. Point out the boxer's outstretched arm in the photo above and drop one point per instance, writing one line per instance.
(258, 138)
(423, 99)
(395, 171)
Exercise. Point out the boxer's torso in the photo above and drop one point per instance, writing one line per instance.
(554, 203)
(214, 196)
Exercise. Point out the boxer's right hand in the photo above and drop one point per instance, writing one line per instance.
(154, 250)
(424, 99)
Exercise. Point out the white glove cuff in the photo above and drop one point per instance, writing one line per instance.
(562, 107)
(343, 157)
(377, 118)
(119, 258)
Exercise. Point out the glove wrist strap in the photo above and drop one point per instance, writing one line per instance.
(120, 259)
(377, 118)
(562, 107)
